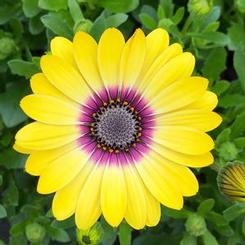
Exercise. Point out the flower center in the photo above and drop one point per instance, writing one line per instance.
(116, 126)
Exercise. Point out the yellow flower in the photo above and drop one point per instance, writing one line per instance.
(117, 126)
(231, 181)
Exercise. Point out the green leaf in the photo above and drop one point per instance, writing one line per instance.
(59, 23)
(98, 27)
(231, 100)
(225, 230)
(240, 142)
(212, 27)
(168, 7)
(18, 240)
(209, 239)
(147, 21)
(1, 179)
(218, 38)
(109, 234)
(216, 218)
(53, 5)
(210, 17)
(35, 25)
(243, 226)
(7, 12)
(30, 8)
(239, 59)
(116, 20)
(178, 16)
(9, 105)
(238, 126)
(205, 206)
(11, 159)
(188, 240)
(11, 194)
(75, 11)
(3, 212)
(125, 234)
(60, 235)
(118, 6)
(23, 68)
(236, 35)
(176, 214)
(220, 87)
(234, 211)
(215, 63)
(224, 136)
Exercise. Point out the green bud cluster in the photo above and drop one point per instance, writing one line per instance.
(228, 151)
(7, 47)
(195, 225)
(35, 232)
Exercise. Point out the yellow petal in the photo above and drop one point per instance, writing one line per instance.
(132, 59)
(39, 136)
(185, 140)
(41, 85)
(21, 149)
(62, 171)
(65, 78)
(178, 94)
(88, 207)
(65, 200)
(63, 48)
(113, 195)
(136, 212)
(109, 54)
(159, 182)
(199, 119)
(156, 42)
(182, 177)
(40, 160)
(50, 110)
(153, 209)
(207, 102)
(148, 74)
(85, 53)
(177, 68)
(195, 161)
(179, 176)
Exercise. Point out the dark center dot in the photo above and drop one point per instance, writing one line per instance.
(86, 240)
(116, 126)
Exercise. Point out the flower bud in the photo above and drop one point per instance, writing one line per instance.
(35, 232)
(231, 181)
(84, 25)
(7, 47)
(195, 225)
(91, 236)
(200, 7)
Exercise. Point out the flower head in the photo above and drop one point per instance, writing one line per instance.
(117, 126)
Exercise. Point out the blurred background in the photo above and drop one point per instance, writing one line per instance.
(213, 30)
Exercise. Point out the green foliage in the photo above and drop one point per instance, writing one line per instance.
(212, 30)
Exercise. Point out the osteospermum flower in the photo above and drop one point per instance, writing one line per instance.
(117, 126)
(231, 181)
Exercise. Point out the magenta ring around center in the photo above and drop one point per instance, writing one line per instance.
(136, 151)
